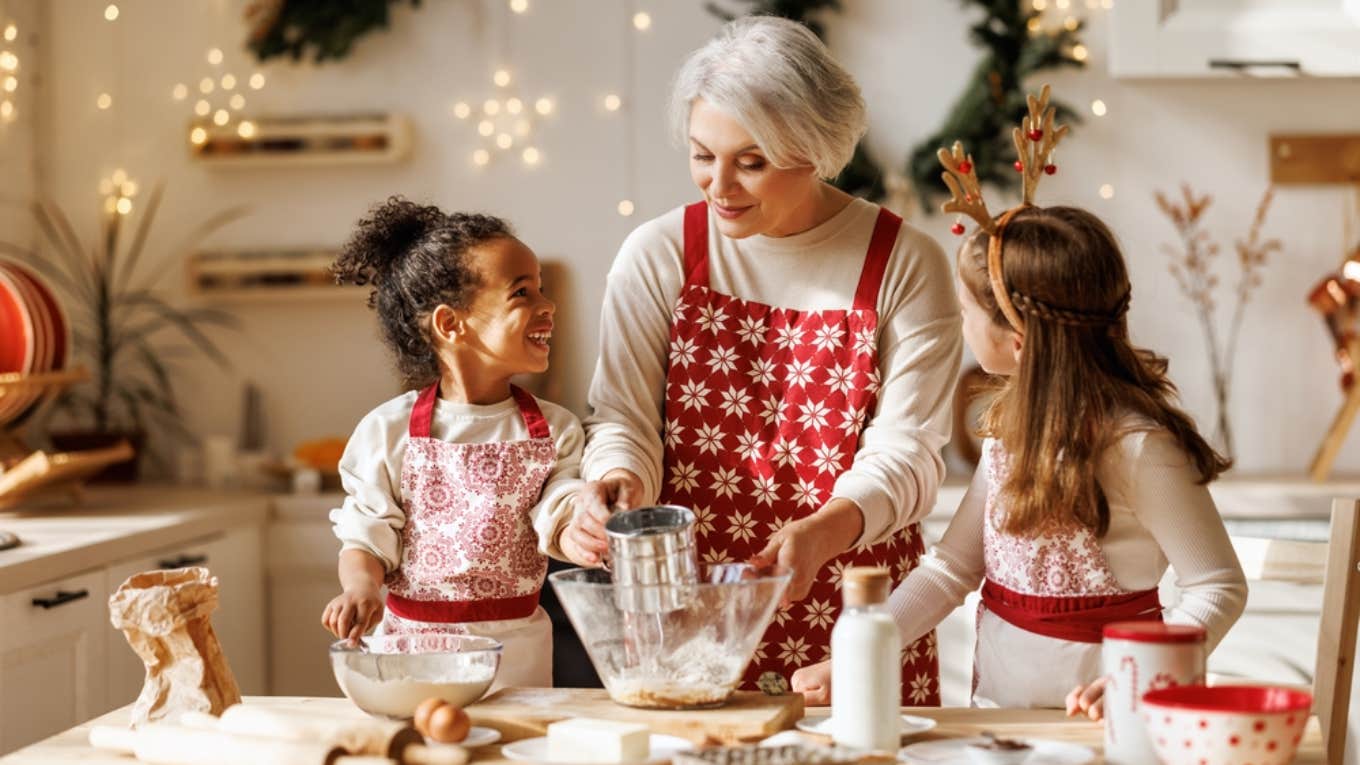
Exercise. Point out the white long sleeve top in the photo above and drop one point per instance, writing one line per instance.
(1159, 516)
(898, 466)
(372, 517)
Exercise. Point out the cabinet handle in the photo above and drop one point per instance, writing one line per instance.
(62, 597)
(182, 561)
(1245, 65)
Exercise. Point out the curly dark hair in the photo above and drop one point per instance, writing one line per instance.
(415, 256)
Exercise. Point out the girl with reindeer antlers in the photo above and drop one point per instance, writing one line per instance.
(1092, 480)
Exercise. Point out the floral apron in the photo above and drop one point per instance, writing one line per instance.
(469, 555)
(1045, 601)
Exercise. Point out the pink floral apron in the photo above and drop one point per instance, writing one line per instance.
(1056, 584)
(764, 409)
(470, 562)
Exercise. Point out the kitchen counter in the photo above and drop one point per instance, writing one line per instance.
(114, 523)
(72, 745)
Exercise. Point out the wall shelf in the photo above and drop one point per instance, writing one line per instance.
(266, 274)
(343, 139)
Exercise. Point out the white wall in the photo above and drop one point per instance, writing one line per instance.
(319, 363)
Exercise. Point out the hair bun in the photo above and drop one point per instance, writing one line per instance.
(384, 238)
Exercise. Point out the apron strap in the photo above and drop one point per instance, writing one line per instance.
(422, 414)
(876, 261)
(533, 416)
(1078, 618)
(696, 244)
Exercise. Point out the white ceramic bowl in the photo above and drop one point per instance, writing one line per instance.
(389, 676)
(1226, 724)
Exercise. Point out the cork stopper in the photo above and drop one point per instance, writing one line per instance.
(865, 585)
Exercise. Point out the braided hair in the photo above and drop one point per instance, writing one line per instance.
(416, 259)
(1079, 377)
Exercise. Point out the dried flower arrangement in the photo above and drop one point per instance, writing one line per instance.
(1192, 267)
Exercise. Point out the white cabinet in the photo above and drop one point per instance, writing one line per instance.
(53, 639)
(1208, 38)
(302, 556)
(236, 558)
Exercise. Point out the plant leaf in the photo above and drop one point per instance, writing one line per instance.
(134, 252)
(71, 254)
(181, 321)
(199, 233)
(54, 274)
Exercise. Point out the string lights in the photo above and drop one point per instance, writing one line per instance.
(9, 70)
(221, 100)
(505, 122)
(1079, 52)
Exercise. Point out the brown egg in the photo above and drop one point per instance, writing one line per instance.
(423, 712)
(449, 724)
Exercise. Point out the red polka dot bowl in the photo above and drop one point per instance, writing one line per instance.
(1226, 724)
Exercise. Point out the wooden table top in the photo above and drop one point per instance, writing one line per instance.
(73, 745)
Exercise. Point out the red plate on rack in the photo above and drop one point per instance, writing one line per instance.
(53, 317)
(37, 315)
(16, 328)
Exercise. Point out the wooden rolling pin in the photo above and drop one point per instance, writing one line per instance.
(167, 744)
(356, 735)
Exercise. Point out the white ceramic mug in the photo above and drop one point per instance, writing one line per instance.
(1139, 657)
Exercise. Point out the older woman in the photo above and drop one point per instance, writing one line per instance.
(779, 356)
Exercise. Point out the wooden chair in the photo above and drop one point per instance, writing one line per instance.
(1336, 566)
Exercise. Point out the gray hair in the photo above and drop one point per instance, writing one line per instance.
(780, 83)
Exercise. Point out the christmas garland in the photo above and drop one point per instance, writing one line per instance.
(328, 27)
(992, 102)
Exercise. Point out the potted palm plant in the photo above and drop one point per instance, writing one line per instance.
(123, 328)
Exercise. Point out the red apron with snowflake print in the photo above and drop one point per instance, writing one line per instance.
(470, 562)
(764, 408)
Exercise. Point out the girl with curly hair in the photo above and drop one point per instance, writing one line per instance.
(455, 489)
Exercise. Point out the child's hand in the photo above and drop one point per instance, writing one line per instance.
(583, 541)
(352, 613)
(1088, 700)
(814, 682)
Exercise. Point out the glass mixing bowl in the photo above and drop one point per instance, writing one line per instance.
(390, 675)
(692, 657)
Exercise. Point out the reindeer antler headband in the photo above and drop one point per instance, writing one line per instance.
(1034, 140)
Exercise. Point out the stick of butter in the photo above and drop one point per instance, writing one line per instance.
(584, 739)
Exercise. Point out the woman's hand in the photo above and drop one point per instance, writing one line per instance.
(805, 545)
(584, 541)
(352, 613)
(814, 682)
(1088, 700)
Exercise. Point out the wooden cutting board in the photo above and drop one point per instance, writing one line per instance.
(526, 712)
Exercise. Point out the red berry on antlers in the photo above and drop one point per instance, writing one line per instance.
(965, 167)
(1050, 169)
(957, 228)
(1036, 134)
(1019, 166)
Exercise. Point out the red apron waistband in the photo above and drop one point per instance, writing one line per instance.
(1079, 618)
(459, 611)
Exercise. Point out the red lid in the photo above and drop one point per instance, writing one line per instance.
(1153, 632)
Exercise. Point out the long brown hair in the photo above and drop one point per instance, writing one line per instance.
(1079, 376)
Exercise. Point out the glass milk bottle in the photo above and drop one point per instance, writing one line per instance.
(1139, 657)
(866, 665)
